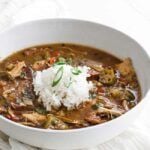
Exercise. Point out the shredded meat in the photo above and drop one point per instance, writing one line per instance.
(93, 118)
(115, 112)
(35, 118)
(116, 88)
(16, 71)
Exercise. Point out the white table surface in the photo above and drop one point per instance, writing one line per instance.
(125, 15)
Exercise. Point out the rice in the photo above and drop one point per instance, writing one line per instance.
(70, 91)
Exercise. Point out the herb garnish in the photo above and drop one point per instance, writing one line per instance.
(58, 76)
(61, 61)
(70, 82)
(75, 71)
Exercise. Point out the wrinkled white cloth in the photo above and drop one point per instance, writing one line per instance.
(120, 14)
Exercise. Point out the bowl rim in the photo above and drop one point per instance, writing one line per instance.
(84, 128)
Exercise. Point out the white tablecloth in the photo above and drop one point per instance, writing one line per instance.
(124, 15)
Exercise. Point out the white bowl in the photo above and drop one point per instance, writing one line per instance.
(86, 33)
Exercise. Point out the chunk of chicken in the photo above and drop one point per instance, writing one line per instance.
(93, 118)
(35, 118)
(16, 71)
(115, 112)
(126, 69)
(9, 94)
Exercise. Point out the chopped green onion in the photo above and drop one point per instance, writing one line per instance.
(58, 76)
(59, 63)
(70, 82)
(62, 61)
(76, 71)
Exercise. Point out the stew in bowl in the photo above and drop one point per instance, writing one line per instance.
(66, 86)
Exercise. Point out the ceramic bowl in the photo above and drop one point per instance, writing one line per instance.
(85, 33)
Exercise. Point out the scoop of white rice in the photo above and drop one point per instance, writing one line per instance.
(70, 91)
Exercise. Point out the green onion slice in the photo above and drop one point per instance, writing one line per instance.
(59, 63)
(58, 76)
(69, 84)
(76, 71)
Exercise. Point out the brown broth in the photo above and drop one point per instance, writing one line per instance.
(87, 113)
